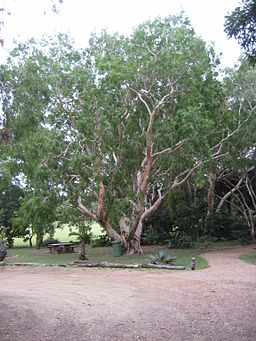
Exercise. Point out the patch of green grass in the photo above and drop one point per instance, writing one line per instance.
(183, 257)
(249, 257)
(42, 256)
(101, 254)
(62, 234)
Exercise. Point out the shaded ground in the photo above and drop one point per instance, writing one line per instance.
(53, 304)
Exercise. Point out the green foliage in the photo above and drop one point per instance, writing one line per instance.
(241, 232)
(81, 93)
(162, 257)
(151, 236)
(101, 241)
(241, 24)
(83, 232)
(226, 225)
(7, 236)
(178, 239)
(84, 236)
(36, 215)
(155, 229)
(72, 118)
(9, 204)
(188, 211)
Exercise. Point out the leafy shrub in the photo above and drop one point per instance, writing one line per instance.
(162, 257)
(178, 239)
(6, 234)
(241, 233)
(82, 232)
(205, 241)
(101, 241)
(151, 236)
(155, 229)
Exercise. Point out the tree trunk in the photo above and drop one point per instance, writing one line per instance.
(134, 243)
(83, 252)
(39, 240)
(253, 232)
(210, 198)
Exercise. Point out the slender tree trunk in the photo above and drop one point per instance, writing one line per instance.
(210, 198)
(39, 240)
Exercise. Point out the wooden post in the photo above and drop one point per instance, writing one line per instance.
(193, 263)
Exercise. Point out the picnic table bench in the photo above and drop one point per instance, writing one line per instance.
(62, 247)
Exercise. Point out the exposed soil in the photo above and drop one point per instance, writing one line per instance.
(64, 304)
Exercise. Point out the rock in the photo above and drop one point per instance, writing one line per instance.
(3, 251)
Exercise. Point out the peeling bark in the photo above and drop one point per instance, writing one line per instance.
(211, 196)
(142, 178)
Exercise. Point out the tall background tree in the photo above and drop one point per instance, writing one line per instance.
(241, 24)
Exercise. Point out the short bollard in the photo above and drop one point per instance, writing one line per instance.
(193, 263)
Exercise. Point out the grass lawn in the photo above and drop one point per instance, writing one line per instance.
(43, 256)
(249, 257)
(62, 234)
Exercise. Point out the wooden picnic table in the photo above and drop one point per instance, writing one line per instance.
(62, 247)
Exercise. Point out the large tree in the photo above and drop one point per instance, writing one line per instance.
(235, 171)
(113, 128)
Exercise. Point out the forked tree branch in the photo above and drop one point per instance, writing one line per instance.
(228, 194)
(152, 209)
(220, 144)
(186, 174)
(85, 211)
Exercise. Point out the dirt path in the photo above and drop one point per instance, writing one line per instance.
(64, 304)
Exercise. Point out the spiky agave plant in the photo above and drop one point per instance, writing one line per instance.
(162, 257)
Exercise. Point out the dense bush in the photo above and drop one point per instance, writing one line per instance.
(156, 228)
(153, 236)
(241, 233)
(101, 241)
(229, 227)
(179, 239)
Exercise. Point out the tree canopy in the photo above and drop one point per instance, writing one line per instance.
(113, 129)
(241, 24)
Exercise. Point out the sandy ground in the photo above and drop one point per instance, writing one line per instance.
(67, 304)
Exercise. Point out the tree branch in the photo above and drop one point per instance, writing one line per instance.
(171, 149)
(186, 174)
(228, 194)
(153, 207)
(85, 211)
(101, 203)
(219, 145)
(250, 190)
